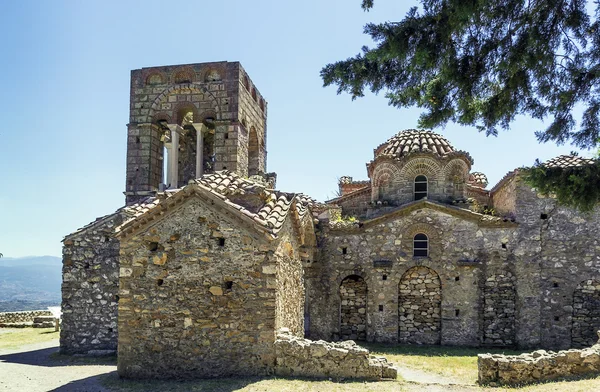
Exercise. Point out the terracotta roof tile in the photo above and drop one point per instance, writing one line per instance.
(231, 189)
(478, 179)
(566, 161)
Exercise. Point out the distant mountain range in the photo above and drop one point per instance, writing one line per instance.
(29, 283)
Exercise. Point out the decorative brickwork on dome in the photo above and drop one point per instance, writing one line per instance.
(565, 161)
(478, 179)
(409, 141)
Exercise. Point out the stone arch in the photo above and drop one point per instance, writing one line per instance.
(420, 307)
(253, 93)
(182, 109)
(185, 88)
(586, 313)
(245, 82)
(253, 152)
(353, 308)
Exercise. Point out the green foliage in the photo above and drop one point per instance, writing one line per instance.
(481, 63)
(577, 187)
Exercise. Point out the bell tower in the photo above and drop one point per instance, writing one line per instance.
(188, 120)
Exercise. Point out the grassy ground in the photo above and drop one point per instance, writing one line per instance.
(456, 363)
(11, 338)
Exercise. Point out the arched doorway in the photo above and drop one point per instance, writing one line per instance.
(419, 306)
(586, 314)
(353, 309)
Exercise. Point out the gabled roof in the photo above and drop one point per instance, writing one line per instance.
(350, 195)
(267, 210)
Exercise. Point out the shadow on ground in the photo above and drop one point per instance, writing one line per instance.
(49, 357)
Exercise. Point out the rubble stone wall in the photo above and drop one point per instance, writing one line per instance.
(538, 366)
(90, 289)
(22, 317)
(586, 313)
(297, 357)
(419, 307)
(198, 297)
(353, 310)
(498, 311)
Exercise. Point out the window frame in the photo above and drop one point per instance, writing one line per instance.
(424, 193)
(426, 248)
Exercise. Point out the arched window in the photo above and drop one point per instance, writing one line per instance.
(420, 245)
(420, 188)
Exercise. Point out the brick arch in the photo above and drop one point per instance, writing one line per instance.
(161, 116)
(353, 308)
(420, 306)
(385, 178)
(433, 234)
(155, 77)
(208, 74)
(421, 166)
(184, 75)
(586, 313)
(456, 167)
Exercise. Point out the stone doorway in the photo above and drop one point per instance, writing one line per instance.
(586, 314)
(419, 307)
(353, 309)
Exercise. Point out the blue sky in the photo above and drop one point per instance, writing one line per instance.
(65, 95)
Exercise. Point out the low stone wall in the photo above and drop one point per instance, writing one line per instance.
(298, 357)
(22, 318)
(538, 366)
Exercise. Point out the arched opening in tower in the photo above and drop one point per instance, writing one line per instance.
(253, 153)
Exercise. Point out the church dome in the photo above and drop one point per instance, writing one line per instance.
(413, 141)
(478, 179)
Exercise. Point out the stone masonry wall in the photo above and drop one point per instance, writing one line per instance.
(381, 253)
(90, 289)
(289, 281)
(22, 317)
(586, 313)
(558, 248)
(297, 357)
(419, 307)
(538, 366)
(353, 310)
(498, 311)
(198, 297)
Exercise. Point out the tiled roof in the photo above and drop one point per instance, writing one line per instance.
(413, 140)
(566, 161)
(478, 179)
(270, 214)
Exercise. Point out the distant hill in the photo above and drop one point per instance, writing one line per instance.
(29, 283)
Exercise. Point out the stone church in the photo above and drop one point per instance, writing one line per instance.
(207, 260)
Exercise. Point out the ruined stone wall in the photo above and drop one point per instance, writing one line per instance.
(381, 253)
(90, 289)
(504, 198)
(538, 366)
(297, 357)
(22, 317)
(198, 297)
(355, 205)
(558, 249)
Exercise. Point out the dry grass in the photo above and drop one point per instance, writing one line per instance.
(11, 338)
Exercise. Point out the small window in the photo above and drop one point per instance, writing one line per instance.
(420, 188)
(344, 250)
(420, 245)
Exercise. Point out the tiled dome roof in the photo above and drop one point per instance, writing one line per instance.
(413, 140)
(478, 179)
(565, 161)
